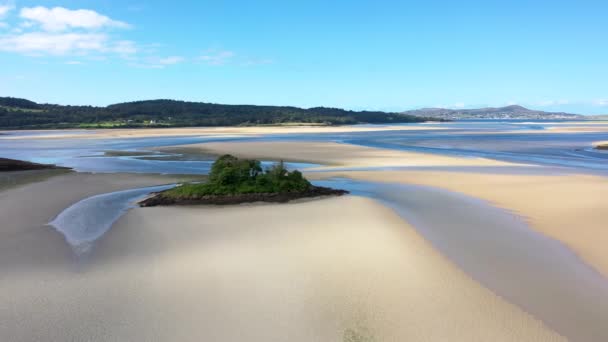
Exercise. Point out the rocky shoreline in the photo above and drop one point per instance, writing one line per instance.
(160, 199)
(602, 147)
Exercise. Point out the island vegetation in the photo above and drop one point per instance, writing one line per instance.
(18, 113)
(233, 181)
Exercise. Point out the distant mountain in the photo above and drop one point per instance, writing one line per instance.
(509, 112)
(24, 114)
(597, 117)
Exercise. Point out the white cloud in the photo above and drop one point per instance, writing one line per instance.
(61, 19)
(73, 62)
(213, 57)
(171, 60)
(59, 31)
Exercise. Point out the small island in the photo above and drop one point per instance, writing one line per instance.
(602, 146)
(235, 181)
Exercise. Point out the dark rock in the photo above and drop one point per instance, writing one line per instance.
(20, 165)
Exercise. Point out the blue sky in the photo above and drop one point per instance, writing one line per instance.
(387, 55)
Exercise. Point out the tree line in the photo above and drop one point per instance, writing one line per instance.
(24, 114)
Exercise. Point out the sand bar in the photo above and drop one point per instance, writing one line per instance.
(569, 208)
(215, 131)
(332, 154)
(328, 270)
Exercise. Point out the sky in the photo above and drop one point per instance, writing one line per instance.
(377, 55)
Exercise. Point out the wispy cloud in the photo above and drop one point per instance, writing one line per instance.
(157, 62)
(547, 103)
(214, 57)
(61, 44)
(254, 62)
(4, 9)
(72, 35)
(601, 102)
(457, 105)
(171, 60)
(37, 43)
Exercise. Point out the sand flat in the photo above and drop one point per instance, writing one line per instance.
(569, 208)
(339, 269)
(333, 154)
(219, 131)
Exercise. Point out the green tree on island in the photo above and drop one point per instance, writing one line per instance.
(230, 175)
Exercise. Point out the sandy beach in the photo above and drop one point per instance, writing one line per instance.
(216, 131)
(340, 269)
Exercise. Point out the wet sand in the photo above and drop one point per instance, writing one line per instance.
(332, 154)
(213, 131)
(340, 269)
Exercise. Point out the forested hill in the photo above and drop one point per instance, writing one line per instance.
(24, 114)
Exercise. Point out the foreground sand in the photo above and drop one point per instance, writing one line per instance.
(26, 243)
(570, 208)
(340, 269)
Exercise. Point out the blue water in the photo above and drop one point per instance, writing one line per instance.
(500, 140)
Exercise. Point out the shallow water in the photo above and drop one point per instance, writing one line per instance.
(87, 220)
(501, 140)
